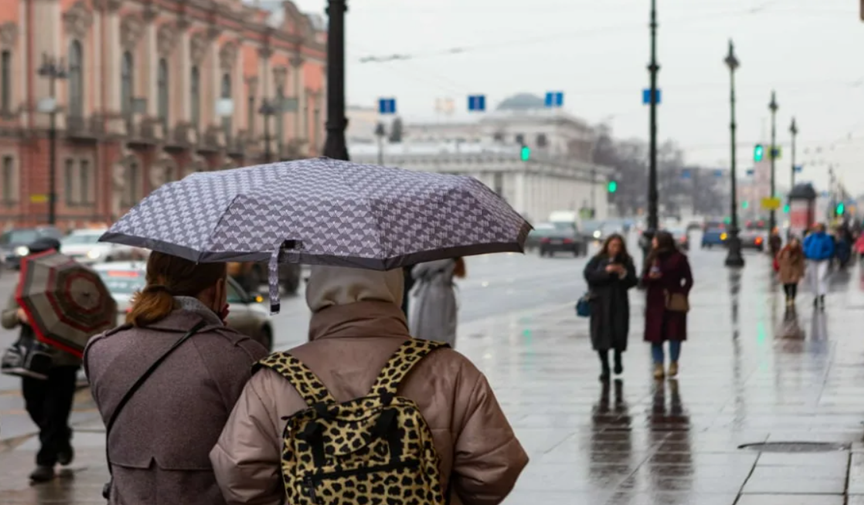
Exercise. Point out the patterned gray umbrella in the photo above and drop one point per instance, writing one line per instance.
(322, 211)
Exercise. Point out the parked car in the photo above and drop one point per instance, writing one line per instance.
(13, 243)
(84, 247)
(246, 314)
(562, 239)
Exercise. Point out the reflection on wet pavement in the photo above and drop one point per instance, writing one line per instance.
(752, 371)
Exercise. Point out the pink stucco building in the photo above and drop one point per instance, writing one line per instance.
(151, 90)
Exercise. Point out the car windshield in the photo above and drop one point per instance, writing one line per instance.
(123, 282)
(19, 237)
(80, 239)
(544, 230)
(592, 225)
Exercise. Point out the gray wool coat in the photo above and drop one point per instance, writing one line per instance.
(434, 309)
(160, 443)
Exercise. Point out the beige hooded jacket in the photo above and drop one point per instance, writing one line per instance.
(356, 326)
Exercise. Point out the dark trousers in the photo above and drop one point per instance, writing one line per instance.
(49, 403)
(791, 290)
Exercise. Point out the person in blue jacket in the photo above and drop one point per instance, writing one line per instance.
(819, 251)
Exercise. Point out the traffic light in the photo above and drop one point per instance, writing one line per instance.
(758, 152)
(525, 153)
(745, 204)
(786, 209)
(841, 208)
(612, 186)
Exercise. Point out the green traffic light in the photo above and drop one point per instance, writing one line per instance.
(786, 209)
(526, 153)
(612, 186)
(745, 204)
(841, 208)
(758, 152)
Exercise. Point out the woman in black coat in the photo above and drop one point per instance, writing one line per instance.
(610, 274)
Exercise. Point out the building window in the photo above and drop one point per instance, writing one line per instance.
(280, 119)
(226, 95)
(195, 97)
(162, 83)
(126, 85)
(76, 80)
(10, 183)
(130, 196)
(6, 81)
(86, 181)
(69, 182)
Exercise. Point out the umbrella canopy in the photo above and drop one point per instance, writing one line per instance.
(322, 211)
(65, 301)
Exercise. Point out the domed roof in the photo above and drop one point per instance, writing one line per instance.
(522, 101)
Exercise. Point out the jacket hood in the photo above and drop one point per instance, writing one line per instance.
(333, 286)
(358, 320)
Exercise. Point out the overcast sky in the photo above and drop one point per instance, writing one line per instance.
(809, 51)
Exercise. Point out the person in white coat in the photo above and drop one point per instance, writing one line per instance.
(434, 310)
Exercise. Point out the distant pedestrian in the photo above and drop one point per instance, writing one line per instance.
(819, 251)
(791, 268)
(159, 442)
(408, 284)
(859, 247)
(610, 274)
(775, 242)
(668, 280)
(434, 311)
(48, 400)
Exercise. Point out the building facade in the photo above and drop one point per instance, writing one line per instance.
(143, 92)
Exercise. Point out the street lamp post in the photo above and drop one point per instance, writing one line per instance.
(53, 69)
(734, 257)
(335, 146)
(267, 110)
(772, 219)
(653, 68)
(380, 132)
(794, 131)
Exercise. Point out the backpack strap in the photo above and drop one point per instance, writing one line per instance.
(405, 357)
(304, 380)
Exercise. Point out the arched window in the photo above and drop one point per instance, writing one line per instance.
(162, 83)
(127, 84)
(6, 81)
(226, 95)
(280, 119)
(195, 97)
(76, 80)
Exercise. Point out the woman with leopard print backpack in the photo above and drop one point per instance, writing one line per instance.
(289, 413)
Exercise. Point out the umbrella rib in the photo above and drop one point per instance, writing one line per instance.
(206, 247)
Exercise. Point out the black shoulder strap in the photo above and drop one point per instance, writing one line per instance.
(398, 366)
(140, 381)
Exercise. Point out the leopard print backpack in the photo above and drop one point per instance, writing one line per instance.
(374, 450)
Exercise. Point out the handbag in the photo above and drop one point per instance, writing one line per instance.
(677, 302)
(583, 306)
(26, 358)
(106, 489)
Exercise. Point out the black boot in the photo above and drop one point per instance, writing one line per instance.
(619, 367)
(42, 474)
(822, 302)
(604, 363)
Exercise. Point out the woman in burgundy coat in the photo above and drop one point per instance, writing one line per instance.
(667, 272)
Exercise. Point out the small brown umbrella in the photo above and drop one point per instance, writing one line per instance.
(65, 301)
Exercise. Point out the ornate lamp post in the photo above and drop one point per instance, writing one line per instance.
(772, 217)
(335, 146)
(53, 69)
(734, 258)
(794, 131)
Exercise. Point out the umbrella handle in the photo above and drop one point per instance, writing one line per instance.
(288, 252)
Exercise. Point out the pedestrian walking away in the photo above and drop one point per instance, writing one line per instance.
(610, 274)
(668, 281)
(47, 396)
(357, 328)
(790, 269)
(775, 242)
(166, 382)
(819, 251)
(434, 309)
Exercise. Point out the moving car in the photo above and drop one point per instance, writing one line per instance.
(540, 230)
(681, 236)
(593, 230)
(713, 236)
(246, 315)
(84, 247)
(752, 239)
(13, 243)
(557, 239)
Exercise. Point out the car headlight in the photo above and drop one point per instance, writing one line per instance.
(93, 254)
(597, 234)
(22, 250)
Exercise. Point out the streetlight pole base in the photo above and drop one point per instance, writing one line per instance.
(734, 259)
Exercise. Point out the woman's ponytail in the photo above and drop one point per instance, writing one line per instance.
(152, 304)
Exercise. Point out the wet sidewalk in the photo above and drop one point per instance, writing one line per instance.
(750, 373)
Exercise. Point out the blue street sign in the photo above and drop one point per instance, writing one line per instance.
(477, 103)
(685, 174)
(646, 96)
(387, 106)
(718, 173)
(751, 172)
(799, 169)
(554, 99)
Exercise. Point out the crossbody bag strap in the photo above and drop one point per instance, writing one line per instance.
(128, 395)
